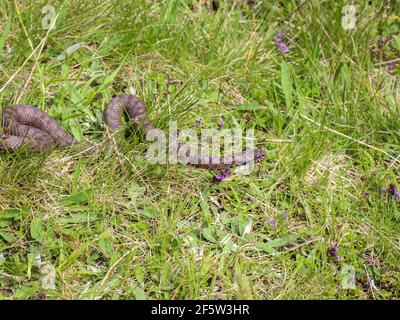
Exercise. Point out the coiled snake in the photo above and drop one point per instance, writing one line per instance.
(26, 125)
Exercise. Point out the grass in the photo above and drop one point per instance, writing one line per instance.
(107, 225)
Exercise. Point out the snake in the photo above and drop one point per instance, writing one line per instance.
(25, 125)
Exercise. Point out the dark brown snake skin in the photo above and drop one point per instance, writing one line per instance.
(26, 125)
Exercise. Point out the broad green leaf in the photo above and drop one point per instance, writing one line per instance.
(396, 42)
(5, 223)
(227, 244)
(139, 294)
(208, 234)
(76, 97)
(79, 197)
(165, 279)
(272, 245)
(37, 229)
(139, 274)
(9, 213)
(75, 129)
(27, 290)
(7, 236)
(150, 212)
(76, 218)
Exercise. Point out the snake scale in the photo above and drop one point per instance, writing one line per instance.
(26, 125)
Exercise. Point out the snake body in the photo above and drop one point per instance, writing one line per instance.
(28, 126)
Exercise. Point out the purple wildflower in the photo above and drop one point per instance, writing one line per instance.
(221, 124)
(366, 194)
(222, 175)
(273, 223)
(393, 191)
(390, 65)
(333, 250)
(282, 48)
(280, 45)
(215, 5)
(219, 177)
(396, 194)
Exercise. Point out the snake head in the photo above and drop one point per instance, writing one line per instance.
(251, 156)
(259, 155)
